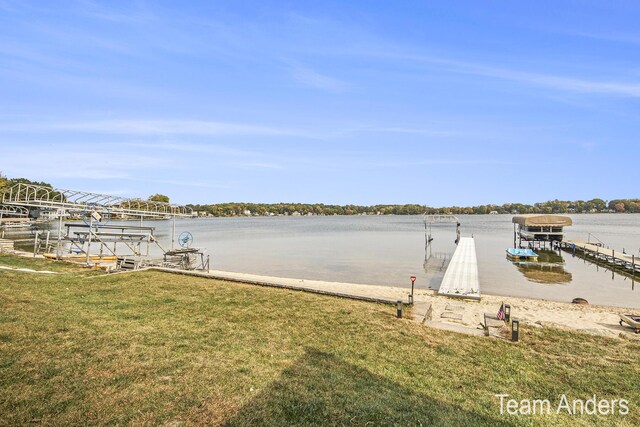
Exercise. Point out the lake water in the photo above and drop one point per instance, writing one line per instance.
(387, 250)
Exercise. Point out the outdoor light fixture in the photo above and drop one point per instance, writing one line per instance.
(399, 309)
(507, 312)
(515, 330)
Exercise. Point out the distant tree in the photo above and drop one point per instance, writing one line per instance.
(159, 198)
(4, 184)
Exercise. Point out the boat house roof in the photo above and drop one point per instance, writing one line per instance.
(542, 220)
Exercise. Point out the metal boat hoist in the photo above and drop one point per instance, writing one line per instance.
(429, 220)
(93, 237)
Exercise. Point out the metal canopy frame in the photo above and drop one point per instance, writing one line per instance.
(15, 211)
(47, 198)
(430, 219)
(437, 219)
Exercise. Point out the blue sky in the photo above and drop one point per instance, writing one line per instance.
(438, 103)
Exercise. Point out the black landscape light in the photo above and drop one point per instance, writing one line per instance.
(399, 309)
(515, 330)
(507, 312)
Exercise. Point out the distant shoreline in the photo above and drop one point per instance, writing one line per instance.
(255, 215)
(558, 207)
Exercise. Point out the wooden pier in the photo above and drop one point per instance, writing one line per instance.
(461, 278)
(630, 263)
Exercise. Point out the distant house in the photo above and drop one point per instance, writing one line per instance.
(493, 213)
(247, 212)
(296, 213)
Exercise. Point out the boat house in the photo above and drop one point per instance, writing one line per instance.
(539, 228)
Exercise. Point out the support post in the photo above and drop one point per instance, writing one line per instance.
(59, 248)
(173, 233)
(35, 243)
(89, 237)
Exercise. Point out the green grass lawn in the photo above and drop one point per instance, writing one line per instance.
(156, 348)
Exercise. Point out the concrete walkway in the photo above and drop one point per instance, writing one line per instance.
(380, 294)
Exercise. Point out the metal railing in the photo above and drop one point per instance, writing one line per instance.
(55, 199)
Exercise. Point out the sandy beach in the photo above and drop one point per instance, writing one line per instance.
(460, 314)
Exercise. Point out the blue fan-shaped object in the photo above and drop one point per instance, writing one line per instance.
(94, 213)
(185, 239)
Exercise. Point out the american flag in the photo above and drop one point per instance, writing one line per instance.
(500, 314)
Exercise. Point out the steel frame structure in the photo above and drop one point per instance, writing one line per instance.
(435, 219)
(15, 211)
(47, 198)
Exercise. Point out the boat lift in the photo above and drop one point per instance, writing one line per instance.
(95, 233)
(435, 219)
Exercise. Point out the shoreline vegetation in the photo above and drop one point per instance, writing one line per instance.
(310, 209)
(78, 347)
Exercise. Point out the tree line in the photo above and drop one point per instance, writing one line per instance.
(239, 209)
(549, 207)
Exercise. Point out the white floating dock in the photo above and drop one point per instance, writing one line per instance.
(461, 278)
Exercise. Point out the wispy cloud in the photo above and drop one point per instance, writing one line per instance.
(377, 164)
(311, 78)
(612, 37)
(183, 183)
(67, 162)
(155, 127)
(552, 81)
(131, 16)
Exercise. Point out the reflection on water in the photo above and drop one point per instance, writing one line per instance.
(435, 265)
(387, 250)
(549, 269)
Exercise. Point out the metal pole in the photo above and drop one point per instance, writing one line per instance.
(46, 243)
(173, 233)
(89, 242)
(59, 248)
(35, 243)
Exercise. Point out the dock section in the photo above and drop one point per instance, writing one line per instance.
(461, 278)
(610, 256)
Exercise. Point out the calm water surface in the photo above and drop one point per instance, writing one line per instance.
(386, 250)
